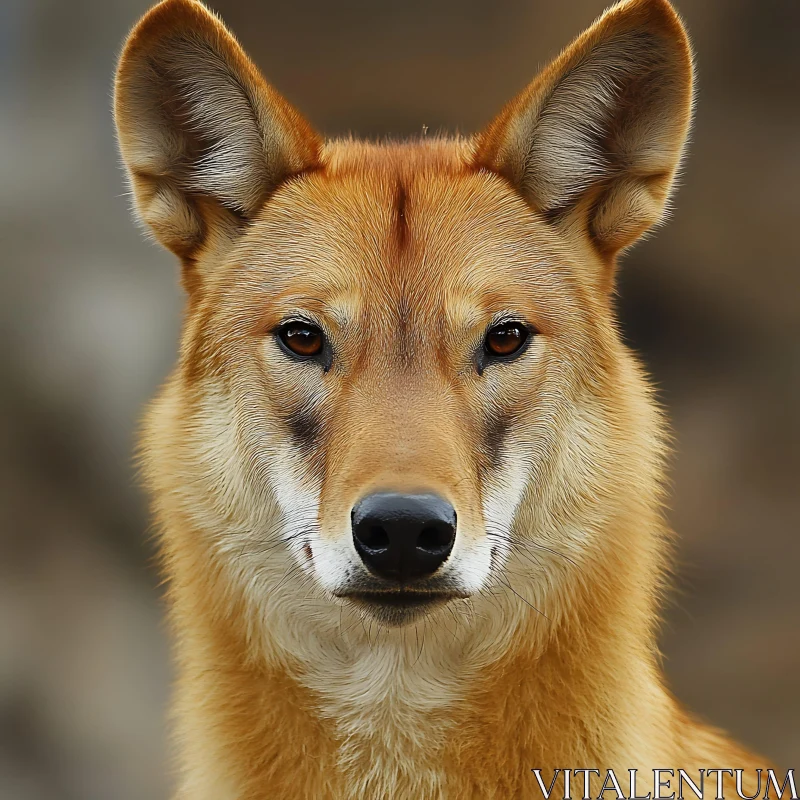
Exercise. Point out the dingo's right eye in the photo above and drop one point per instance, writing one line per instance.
(301, 339)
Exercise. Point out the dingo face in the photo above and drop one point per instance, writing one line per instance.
(438, 347)
(399, 362)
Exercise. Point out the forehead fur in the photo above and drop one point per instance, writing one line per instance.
(402, 226)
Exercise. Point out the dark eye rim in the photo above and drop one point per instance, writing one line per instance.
(323, 355)
(486, 357)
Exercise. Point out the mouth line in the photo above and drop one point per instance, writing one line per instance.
(400, 599)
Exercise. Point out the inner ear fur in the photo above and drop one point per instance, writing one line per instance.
(594, 142)
(204, 137)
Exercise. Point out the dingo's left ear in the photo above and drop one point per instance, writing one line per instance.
(204, 137)
(593, 143)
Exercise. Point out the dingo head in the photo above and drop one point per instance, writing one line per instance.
(400, 363)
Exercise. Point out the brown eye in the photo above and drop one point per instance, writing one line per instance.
(302, 339)
(506, 339)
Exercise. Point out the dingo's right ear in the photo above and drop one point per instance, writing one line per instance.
(205, 139)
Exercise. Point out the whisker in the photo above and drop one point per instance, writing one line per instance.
(524, 600)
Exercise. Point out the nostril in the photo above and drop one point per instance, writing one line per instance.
(375, 539)
(434, 539)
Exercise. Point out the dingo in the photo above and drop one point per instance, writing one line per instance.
(408, 477)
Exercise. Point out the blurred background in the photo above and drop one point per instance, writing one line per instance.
(89, 315)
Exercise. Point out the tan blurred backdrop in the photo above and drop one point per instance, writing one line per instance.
(89, 313)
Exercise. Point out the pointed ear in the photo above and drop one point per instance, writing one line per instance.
(594, 142)
(204, 138)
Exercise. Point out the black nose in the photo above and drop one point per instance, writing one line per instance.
(403, 536)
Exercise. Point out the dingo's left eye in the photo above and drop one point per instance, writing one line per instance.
(506, 339)
(301, 339)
